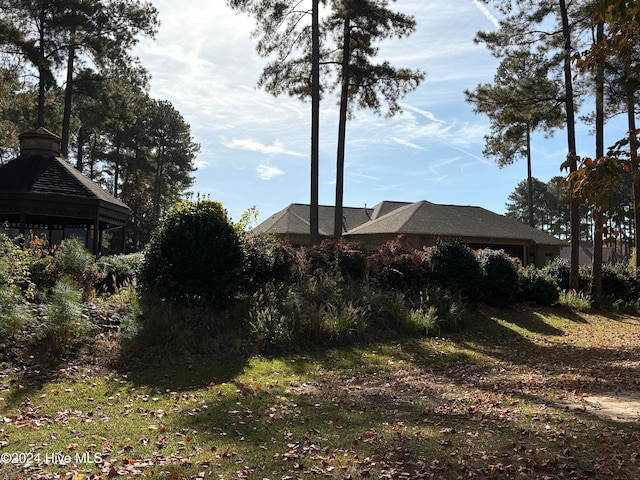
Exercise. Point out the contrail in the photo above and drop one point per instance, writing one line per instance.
(487, 13)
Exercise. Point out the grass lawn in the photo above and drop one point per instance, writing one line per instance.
(522, 393)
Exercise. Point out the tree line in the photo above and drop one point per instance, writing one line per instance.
(551, 212)
(557, 56)
(67, 65)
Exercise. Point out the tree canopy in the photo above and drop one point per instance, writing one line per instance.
(138, 148)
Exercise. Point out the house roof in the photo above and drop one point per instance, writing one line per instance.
(426, 218)
(585, 255)
(294, 220)
(419, 218)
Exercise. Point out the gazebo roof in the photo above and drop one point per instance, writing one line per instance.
(40, 184)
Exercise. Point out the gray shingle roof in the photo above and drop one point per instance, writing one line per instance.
(294, 220)
(427, 218)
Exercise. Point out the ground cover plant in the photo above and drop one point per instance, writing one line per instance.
(521, 394)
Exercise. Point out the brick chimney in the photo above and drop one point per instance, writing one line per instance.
(40, 142)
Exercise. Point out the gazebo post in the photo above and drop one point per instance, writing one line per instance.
(23, 226)
(96, 237)
(100, 238)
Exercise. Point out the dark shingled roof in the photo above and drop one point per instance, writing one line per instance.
(47, 175)
(294, 220)
(427, 218)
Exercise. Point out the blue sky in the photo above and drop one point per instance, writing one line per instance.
(255, 147)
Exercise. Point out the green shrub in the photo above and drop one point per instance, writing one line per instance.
(397, 266)
(74, 261)
(15, 263)
(559, 270)
(194, 256)
(500, 278)
(267, 259)
(14, 315)
(72, 257)
(618, 282)
(118, 270)
(454, 267)
(345, 258)
(63, 322)
(537, 286)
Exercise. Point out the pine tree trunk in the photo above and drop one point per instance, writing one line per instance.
(68, 96)
(342, 128)
(314, 235)
(635, 175)
(532, 222)
(41, 70)
(571, 154)
(596, 267)
(80, 150)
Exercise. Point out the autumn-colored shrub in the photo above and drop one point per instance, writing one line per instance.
(345, 258)
(397, 266)
(267, 258)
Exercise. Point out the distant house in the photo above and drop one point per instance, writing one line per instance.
(421, 224)
(585, 256)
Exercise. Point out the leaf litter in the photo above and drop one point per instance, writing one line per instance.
(501, 400)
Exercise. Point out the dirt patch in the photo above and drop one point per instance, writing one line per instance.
(617, 407)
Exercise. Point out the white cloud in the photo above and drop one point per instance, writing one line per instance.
(406, 143)
(426, 114)
(200, 164)
(487, 13)
(277, 148)
(266, 172)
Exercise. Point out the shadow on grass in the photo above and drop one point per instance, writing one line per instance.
(367, 421)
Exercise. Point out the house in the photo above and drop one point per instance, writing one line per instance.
(421, 224)
(42, 195)
(585, 255)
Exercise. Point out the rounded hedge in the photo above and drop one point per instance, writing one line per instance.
(559, 270)
(618, 282)
(500, 280)
(454, 267)
(194, 256)
(538, 286)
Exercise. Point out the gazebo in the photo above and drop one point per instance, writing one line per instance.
(42, 195)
